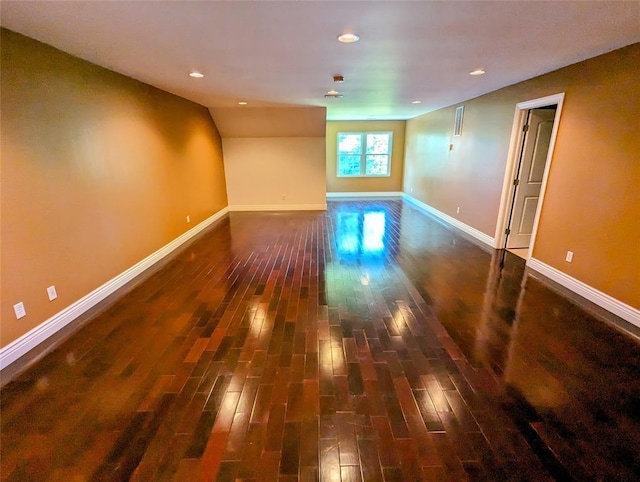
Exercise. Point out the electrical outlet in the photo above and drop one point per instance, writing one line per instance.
(51, 291)
(458, 210)
(411, 189)
(284, 197)
(19, 310)
(188, 218)
(569, 257)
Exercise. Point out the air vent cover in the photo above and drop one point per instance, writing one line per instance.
(457, 128)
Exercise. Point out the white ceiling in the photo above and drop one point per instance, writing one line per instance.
(272, 53)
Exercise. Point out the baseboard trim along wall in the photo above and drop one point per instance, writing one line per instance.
(617, 307)
(21, 346)
(473, 232)
(364, 194)
(278, 207)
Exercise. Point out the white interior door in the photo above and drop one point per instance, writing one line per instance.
(529, 180)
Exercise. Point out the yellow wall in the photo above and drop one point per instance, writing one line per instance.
(275, 172)
(98, 172)
(592, 206)
(274, 157)
(365, 184)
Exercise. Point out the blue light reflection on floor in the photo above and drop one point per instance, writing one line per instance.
(364, 249)
(361, 234)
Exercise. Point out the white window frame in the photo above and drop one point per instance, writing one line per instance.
(363, 154)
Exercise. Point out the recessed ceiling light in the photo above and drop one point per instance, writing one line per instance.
(477, 72)
(348, 38)
(196, 75)
(417, 102)
(242, 102)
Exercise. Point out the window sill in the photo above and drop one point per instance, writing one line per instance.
(364, 176)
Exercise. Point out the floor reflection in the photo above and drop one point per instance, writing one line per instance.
(564, 377)
(363, 232)
(568, 380)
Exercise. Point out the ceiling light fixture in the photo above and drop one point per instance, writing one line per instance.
(348, 38)
(242, 102)
(196, 75)
(477, 72)
(338, 79)
(417, 102)
(333, 92)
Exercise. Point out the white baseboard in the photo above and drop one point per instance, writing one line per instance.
(364, 194)
(19, 347)
(617, 307)
(278, 207)
(479, 235)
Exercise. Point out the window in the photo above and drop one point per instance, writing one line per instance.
(364, 154)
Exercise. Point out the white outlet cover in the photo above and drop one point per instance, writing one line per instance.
(569, 257)
(188, 219)
(51, 291)
(20, 311)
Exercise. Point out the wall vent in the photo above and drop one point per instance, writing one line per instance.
(457, 128)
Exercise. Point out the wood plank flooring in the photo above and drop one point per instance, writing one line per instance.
(367, 343)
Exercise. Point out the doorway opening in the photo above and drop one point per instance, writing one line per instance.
(531, 149)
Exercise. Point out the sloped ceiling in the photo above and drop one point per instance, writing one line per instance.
(270, 121)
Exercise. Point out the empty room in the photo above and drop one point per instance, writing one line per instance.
(319, 241)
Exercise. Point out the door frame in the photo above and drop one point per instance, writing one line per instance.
(515, 145)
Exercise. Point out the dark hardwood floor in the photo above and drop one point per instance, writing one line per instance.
(366, 343)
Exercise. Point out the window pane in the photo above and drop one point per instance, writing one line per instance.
(377, 165)
(377, 143)
(348, 165)
(349, 144)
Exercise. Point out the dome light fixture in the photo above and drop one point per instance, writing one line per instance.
(242, 102)
(348, 38)
(196, 75)
(416, 102)
(477, 72)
